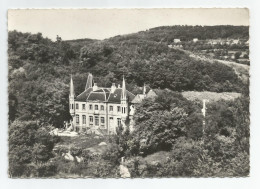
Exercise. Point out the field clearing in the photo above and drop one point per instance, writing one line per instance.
(241, 70)
(211, 96)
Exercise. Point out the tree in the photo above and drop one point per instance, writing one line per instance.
(237, 54)
(159, 123)
(28, 145)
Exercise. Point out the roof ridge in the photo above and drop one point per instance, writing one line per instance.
(81, 93)
(131, 92)
(104, 94)
(88, 95)
(110, 94)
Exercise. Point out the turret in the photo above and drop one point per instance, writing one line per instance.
(89, 83)
(124, 103)
(123, 94)
(72, 98)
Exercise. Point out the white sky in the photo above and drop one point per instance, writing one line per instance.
(101, 24)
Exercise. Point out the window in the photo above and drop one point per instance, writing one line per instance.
(91, 119)
(111, 108)
(90, 106)
(83, 119)
(102, 107)
(83, 106)
(96, 107)
(123, 110)
(111, 121)
(71, 106)
(77, 119)
(77, 106)
(96, 120)
(118, 108)
(102, 120)
(118, 122)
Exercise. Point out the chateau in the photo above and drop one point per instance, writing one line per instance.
(102, 109)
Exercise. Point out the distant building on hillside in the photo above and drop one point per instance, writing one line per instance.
(176, 40)
(195, 40)
(102, 109)
(215, 41)
(235, 41)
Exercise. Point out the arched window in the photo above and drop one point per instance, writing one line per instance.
(118, 122)
(102, 120)
(96, 120)
(83, 119)
(77, 119)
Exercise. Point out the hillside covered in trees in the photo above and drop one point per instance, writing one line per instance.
(39, 74)
(187, 33)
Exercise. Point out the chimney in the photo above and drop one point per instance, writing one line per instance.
(113, 87)
(95, 87)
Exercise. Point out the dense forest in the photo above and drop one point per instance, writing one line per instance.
(186, 33)
(39, 73)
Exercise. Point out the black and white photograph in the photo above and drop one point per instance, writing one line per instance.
(128, 93)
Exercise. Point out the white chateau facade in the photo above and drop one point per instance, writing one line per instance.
(102, 109)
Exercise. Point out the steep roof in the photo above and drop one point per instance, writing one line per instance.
(103, 94)
(96, 96)
(83, 96)
(138, 98)
(152, 93)
(116, 96)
